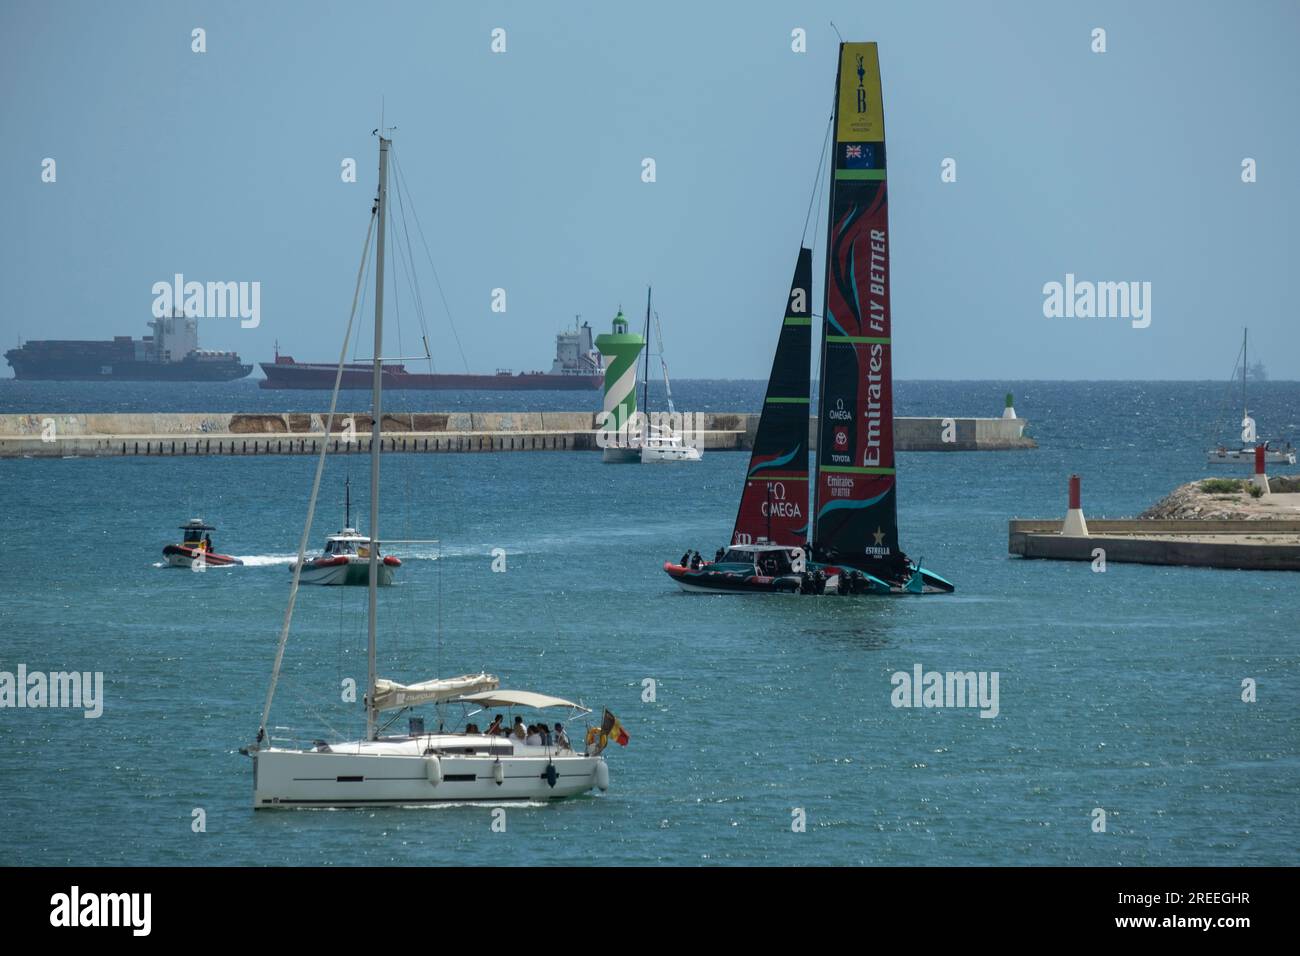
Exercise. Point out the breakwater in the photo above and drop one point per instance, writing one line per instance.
(166, 434)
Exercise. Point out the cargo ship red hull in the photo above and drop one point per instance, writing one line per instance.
(284, 372)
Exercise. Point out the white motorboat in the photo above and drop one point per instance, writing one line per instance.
(417, 767)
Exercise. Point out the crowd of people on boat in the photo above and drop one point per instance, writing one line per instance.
(531, 735)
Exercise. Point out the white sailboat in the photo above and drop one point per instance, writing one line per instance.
(661, 443)
(1244, 454)
(417, 767)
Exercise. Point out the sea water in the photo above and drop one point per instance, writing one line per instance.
(762, 727)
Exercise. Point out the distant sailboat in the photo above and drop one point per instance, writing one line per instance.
(1244, 454)
(660, 442)
(845, 539)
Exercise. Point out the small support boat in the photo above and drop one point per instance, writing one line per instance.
(346, 558)
(195, 549)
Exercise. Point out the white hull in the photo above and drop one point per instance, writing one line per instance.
(1246, 456)
(380, 774)
(658, 453)
(356, 571)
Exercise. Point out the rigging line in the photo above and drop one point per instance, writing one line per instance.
(1217, 423)
(414, 275)
(365, 287)
(437, 281)
(820, 204)
(397, 299)
(306, 705)
(817, 178)
(315, 487)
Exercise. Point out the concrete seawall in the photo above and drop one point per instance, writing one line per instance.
(112, 434)
(1268, 545)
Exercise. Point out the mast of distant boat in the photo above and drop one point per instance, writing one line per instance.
(376, 442)
(645, 401)
(1245, 403)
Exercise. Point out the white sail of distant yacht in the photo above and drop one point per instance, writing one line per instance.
(1244, 454)
(662, 442)
(417, 767)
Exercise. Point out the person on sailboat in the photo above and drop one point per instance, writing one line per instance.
(719, 554)
(561, 738)
(494, 728)
(519, 731)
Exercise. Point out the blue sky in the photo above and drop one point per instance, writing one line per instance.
(525, 168)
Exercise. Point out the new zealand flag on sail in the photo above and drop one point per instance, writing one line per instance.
(861, 156)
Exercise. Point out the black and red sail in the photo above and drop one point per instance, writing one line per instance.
(774, 502)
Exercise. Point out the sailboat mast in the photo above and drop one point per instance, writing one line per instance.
(1245, 405)
(347, 502)
(645, 401)
(376, 441)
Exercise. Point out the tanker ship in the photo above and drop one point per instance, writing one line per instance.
(171, 354)
(577, 366)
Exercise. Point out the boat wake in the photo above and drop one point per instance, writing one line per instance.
(266, 560)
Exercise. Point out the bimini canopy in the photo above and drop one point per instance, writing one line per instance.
(390, 695)
(520, 698)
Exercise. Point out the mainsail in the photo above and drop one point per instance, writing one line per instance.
(774, 503)
(856, 519)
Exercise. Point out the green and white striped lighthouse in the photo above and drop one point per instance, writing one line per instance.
(620, 349)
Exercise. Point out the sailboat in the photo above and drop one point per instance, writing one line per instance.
(839, 533)
(346, 556)
(418, 767)
(1244, 454)
(661, 441)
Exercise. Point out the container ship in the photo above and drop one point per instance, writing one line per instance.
(578, 365)
(171, 354)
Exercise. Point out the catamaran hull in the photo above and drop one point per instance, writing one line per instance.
(664, 453)
(706, 581)
(284, 779)
(344, 572)
(1246, 456)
